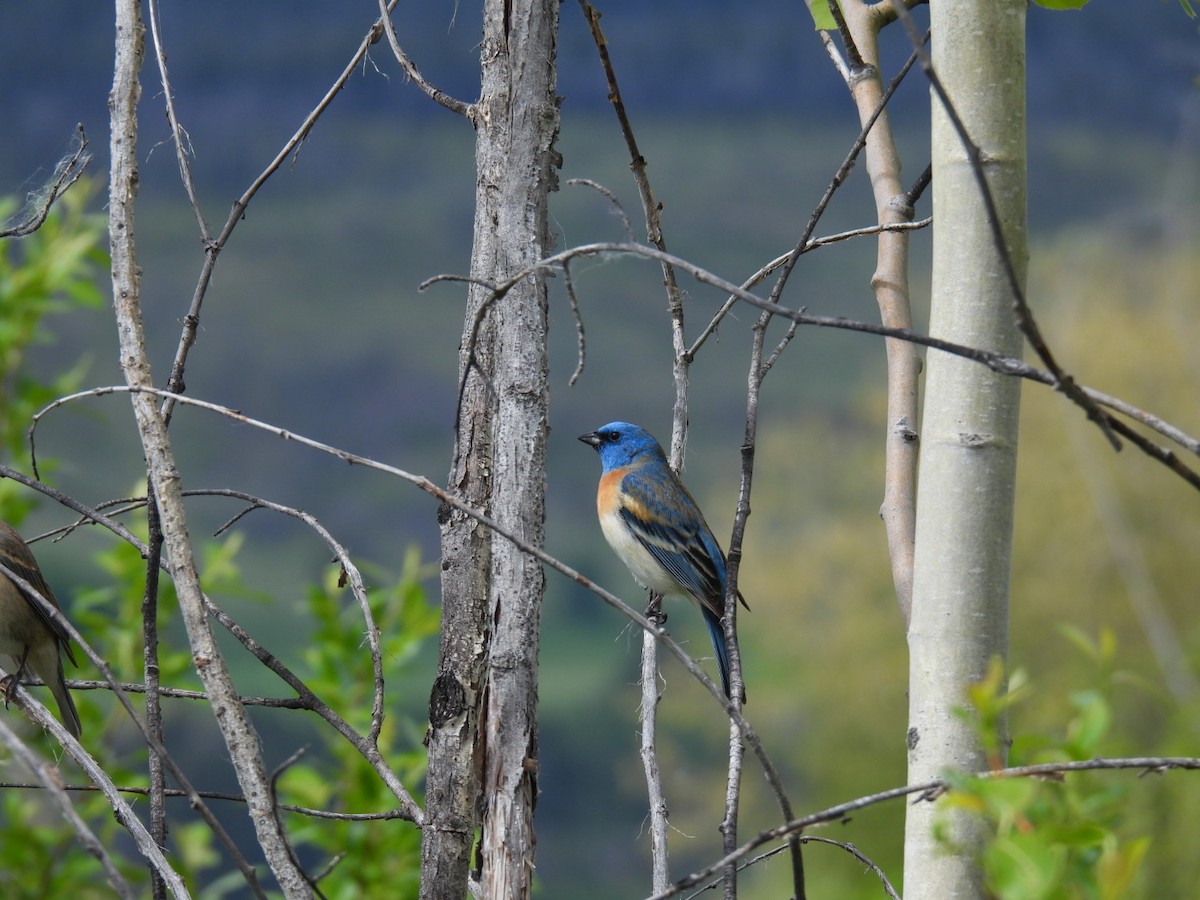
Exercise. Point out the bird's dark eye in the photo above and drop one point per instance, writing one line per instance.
(611, 436)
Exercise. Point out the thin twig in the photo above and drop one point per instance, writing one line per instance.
(884, 882)
(617, 208)
(66, 173)
(1004, 365)
(1024, 315)
(812, 839)
(388, 815)
(49, 781)
(580, 334)
(213, 248)
(177, 132)
(276, 806)
(806, 243)
(925, 792)
(410, 69)
(651, 210)
(813, 244)
(133, 687)
(307, 699)
(749, 734)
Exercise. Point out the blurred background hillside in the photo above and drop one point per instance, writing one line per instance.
(314, 323)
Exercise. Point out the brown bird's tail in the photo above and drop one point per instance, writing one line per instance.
(66, 706)
(45, 662)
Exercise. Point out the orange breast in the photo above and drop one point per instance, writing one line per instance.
(608, 496)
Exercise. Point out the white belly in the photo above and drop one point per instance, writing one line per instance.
(644, 567)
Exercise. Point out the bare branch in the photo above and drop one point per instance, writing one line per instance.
(889, 282)
(437, 95)
(577, 316)
(1024, 315)
(213, 248)
(163, 476)
(926, 791)
(1004, 365)
(177, 132)
(748, 732)
(812, 244)
(648, 750)
(612, 199)
(49, 780)
(357, 588)
(152, 738)
(651, 209)
(861, 857)
(102, 782)
(276, 774)
(389, 815)
(813, 839)
(366, 747)
(66, 173)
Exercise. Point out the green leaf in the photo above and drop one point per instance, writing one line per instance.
(1119, 865)
(306, 786)
(1067, 4)
(1081, 639)
(193, 841)
(823, 18)
(1085, 731)
(1077, 835)
(1024, 865)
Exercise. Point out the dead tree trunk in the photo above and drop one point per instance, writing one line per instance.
(483, 734)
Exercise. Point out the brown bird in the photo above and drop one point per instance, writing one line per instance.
(27, 633)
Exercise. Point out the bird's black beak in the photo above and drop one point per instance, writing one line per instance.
(591, 438)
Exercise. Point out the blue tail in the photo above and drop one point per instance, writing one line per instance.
(717, 633)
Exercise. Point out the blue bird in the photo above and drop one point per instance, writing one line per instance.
(655, 527)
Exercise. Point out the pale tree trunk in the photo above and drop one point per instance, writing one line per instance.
(166, 488)
(483, 734)
(969, 432)
(890, 284)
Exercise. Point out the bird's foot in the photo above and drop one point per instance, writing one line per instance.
(8, 686)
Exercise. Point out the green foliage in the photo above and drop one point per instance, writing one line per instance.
(1057, 837)
(1064, 4)
(380, 856)
(51, 271)
(816, 577)
(405, 620)
(822, 17)
(38, 857)
(989, 700)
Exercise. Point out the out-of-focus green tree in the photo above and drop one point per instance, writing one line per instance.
(54, 270)
(1104, 543)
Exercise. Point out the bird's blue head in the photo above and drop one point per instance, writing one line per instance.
(620, 444)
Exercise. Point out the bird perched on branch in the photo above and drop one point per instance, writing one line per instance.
(27, 633)
(655, 527)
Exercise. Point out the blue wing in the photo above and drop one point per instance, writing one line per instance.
(674, 532)
(669, 525)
